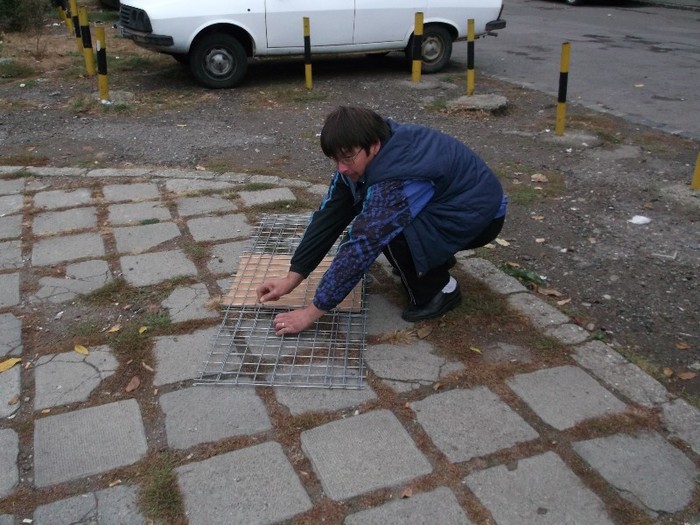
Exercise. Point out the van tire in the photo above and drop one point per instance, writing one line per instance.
(218, 60)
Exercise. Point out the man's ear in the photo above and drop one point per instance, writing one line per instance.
(374, 148)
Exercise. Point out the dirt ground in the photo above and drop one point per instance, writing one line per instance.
(568, 233)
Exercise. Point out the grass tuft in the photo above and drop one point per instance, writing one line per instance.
(160, 497)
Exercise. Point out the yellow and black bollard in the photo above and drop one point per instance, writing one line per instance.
(102, 81)
(87, 41)
(563, 81)
(307, 53)
(695, 184)
(76, 25)
(417, 49)
(470, 57)
(64, 18)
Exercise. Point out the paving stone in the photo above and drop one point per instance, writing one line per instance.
(182, 357)
(10, 335)
(154, 268)
(540, 313)
(51, 171)
(384, 316)
(465, 424)
(494, 278)
(134, 212)
(205, 204)
(219, 228)
(114, 172)
(10, 255)
(564, 396)
(203, 414)
(568, 334)
(224, 257)
(9, 450)
(252, 485)
(187, 303)
(112, 506)
(67, 248)
(11, 186)
(64, 221)
(439, 506)
(682, 420)
(644, 469)
(134, 239)
(9, 289)
(62, 198)
(7, 519)
(540, 490)
(81, 278)
(270, 196)
(620, 374)
(195, 185)
(10, 389)
(302, 400)
(363, 453)
(11, 227)
(139, 191)
(265, 179)
(88, 441)
(70, 377)
(506, 353)
(407, 367)
(11, 204)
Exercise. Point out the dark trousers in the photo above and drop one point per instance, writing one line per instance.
(422, 289)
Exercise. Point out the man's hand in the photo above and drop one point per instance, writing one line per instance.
(297, 320)
(273, 290)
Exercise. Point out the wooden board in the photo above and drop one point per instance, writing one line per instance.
(256, 268)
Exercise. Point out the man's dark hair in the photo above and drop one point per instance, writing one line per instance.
(347, 127)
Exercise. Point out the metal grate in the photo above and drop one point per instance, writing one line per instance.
(246, 351)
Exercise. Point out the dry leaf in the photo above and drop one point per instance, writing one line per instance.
(475, 350)
(538, 177)
(13, 400)
(537, 217)
(437, 386)
(424, 331)
(682, 346)
(686, 376)
(9, 363)
(564, 301)
(540, 240)
(115, 483)
(143, 329)
(502, 242)
(513, 264)
(549, 292)
(407, 493)
(668, 372)
(81, 349)
(147, 367)
(114, 328)
(133, 384)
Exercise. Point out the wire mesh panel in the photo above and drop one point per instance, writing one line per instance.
(246, 350)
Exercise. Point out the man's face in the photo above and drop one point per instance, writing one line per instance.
(354, 162)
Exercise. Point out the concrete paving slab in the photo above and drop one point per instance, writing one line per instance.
(541, 490)
(112, 506)
(506, 353)
(564, 396)
(439, 506)
(7, 519)
(407, 367)
(135, 212)
(10, 335)
(190, 206)
(219, 228)
(265, 179)
(81, 278)
(682, 420)
(187, 303)
(302, 400)
(70, 377)
(135, 239)
(11, 204)
(51, 171)
(541, 314)
(54, 199)
(9, 289)
(224, 257)
(88, 441)
(644, 469)
(465, 424)
(363, 453)
(203, 414)
(620, 374)
(154, 268)
(182, 357)
(138, 191)
(10, 227)
(64, 221)
(11, 186)
(121, 172)
(67, 248)
(10, 389)
(9, 450)
(568, 334)
(10, 255)
(197, 185)
(384, 317)
(269, 196)
(252, 485)
(494, 278)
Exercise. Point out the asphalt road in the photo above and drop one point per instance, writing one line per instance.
(636, 61)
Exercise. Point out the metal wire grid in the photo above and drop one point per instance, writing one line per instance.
(246, 351)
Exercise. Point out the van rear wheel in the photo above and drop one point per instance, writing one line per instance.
(218, 61)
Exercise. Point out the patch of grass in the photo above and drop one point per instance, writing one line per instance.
(437, 104)
(157, 320)
(87, 329)
(523, 275)
(258, 186)
(13, 69)
(84, 104)
(546, 344)
(281, 207)
(132, 63)
(129, 341)
(524, 195)
(20, 174)
(650, 368)
(195, 250)
(146, 222)
(160, 497)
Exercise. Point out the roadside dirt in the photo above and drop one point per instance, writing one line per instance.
(568, 232)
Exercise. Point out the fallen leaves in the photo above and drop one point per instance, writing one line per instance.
(81, 349)
(539, 178)
(687, 376)
(682, 346)
(9, 363)
(133, 384)
(114, 328)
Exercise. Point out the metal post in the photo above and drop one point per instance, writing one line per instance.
(87, 41)
(470, 57)
(307, 53)
(563, 81)
(102, 81)
(76, 25)
(417, 51)
(695, 184)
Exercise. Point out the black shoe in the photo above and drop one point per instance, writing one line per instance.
(437, 306)
(451, 262)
